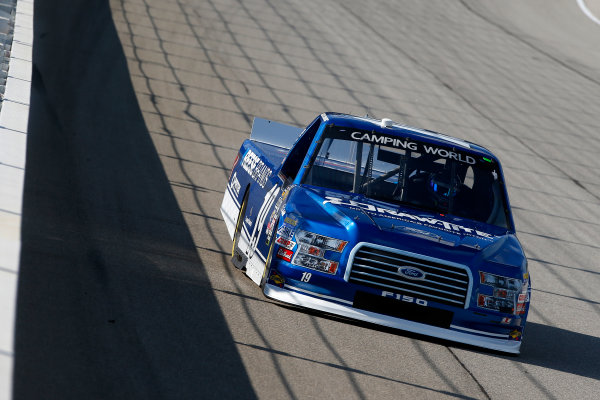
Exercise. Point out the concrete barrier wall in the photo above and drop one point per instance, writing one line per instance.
(16, 43)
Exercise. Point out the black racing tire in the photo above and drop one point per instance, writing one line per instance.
(265, 276)
(239, 223)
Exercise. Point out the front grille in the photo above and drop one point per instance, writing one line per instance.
(378, 268)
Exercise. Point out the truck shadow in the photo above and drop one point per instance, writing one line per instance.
(544, 346)
(561, 350)
(113, 299)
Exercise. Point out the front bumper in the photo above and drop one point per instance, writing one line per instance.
(332, 305)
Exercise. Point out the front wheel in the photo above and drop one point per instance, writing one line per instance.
(265, 276)
(237, 257)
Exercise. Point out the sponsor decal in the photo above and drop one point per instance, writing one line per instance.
(417, 231)
(291, 220)
(269, 232)
(405, 144)
(273, 217)
(261, 219)
(515, 335)
(277, 279)
(443, 225)
(287, 243)
(235, 185)
(408, 299)
(248, 221)
(506, 320)
(286, 231)
(384, 140)
(449, 154)
(256, 168)
(284, 196)
(285, 254)
(411, 273)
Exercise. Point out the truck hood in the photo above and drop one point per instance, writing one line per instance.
(393, 222)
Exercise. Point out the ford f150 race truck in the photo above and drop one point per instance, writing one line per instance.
(380, 222)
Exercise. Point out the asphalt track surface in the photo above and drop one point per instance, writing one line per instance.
(137, 110)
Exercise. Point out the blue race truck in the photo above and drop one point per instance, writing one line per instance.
(380, 222)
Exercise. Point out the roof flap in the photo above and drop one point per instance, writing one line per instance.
(274, 133)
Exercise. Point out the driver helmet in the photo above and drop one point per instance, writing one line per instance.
(440, 184)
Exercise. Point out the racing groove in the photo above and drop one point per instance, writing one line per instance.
(126, 288)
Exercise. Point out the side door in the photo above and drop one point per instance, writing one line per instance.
(264, 205)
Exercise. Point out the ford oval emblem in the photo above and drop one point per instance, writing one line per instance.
(411, 273)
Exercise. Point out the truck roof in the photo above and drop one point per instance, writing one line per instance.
(284, 136)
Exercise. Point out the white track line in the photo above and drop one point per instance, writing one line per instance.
(587, 11)
(13, 139)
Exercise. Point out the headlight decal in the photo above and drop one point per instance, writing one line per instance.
(509, 295)
(324, 242)
(308, 249)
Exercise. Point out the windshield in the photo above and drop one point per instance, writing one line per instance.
(411, 173)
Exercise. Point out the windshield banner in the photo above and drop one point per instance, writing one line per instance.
(404, 144)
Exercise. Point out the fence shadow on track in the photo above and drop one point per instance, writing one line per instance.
(113, 300)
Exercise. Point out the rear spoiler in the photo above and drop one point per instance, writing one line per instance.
(274, 133)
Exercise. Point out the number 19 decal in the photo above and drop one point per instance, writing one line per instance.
(306, 276)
